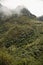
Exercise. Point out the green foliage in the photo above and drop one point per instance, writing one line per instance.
(21, 41)
(5, 58)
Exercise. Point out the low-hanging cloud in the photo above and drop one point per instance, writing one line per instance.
(35, 6)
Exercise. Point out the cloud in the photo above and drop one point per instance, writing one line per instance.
(35, 6)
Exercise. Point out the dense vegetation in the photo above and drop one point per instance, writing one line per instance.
(21, 41)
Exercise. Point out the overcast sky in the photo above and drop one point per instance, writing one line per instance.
(35, 6)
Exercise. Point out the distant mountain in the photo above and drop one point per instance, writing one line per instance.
(40, 18)
(26, 12)
(18, 10)
(21, 10)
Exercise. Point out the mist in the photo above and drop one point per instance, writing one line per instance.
(35, 6)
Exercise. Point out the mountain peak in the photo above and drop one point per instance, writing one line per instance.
(18, 9)
(22, 10)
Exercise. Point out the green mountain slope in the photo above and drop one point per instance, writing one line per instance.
(21, 39)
